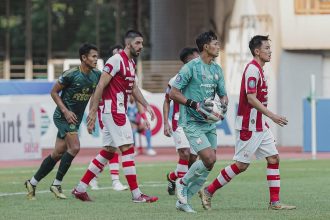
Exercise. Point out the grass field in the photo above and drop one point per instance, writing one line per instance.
(305, 184)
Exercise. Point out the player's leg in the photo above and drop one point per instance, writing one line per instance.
(114, 173)
(200, 143)
(183, 149)
(45, 168)
(247, 143)
(128, 163)
(268, 150)
(73, 147)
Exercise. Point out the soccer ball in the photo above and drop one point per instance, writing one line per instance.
(217, 113)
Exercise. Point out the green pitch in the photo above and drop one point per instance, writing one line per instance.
(305, 184)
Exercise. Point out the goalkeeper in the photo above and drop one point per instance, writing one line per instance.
(197, 82)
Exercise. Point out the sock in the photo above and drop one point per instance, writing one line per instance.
(46, 166)
(173, 176)
(130, 171)
(114, 167)
(274, 182)
(195, 171)
(224, 177)
(94, 168)
(65, 164)
(33, 181)
(148, 137)
(57, 182)
(195, 186)
(181, 168)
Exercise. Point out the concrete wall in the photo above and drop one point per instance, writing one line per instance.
(303, 31)
(293, 87)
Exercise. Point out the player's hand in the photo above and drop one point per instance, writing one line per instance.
(146, 123)
(224, 104)
(91, 118)
(151, 112)
(70, 117)
(280, 120)
(167, 130)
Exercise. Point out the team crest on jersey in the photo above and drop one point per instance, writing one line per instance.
(106, 69)
(252, 84)
(253, 121)
(216, 77)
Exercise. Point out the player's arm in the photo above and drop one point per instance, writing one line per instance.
(137, 94)
(69, 115)
(94, 105)
(166, 110)
(255, 103)
(222, 92)
(142, 112)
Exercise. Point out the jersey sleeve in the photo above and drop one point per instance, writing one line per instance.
(183, 78)
(251, 79)
(66, 78)
(221, 86)
(112, 66)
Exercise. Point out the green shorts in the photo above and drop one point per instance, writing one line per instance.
(64, 127)
(201, 135)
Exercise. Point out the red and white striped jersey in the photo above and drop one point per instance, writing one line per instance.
(115, 95)
(176, 106)
(253, 81)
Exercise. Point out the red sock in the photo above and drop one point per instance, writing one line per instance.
(172, 176)
(96, 166)
(114, 167)
(224, 177)
(274, 182)
(129, 168)
(181, 168)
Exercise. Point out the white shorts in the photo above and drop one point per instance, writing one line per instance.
(181, 141)
(261, 144)
(114, 135)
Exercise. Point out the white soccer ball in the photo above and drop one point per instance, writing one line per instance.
(217, 113)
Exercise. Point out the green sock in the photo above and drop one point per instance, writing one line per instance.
(194, 172)
(46, 166)
(65, 164)
(195, 186)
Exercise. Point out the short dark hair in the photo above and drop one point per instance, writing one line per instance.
(256, 42)
(205, 38)
(185, 52)
(85, 49)
(132, 34)
(195, 50)
(117, 46)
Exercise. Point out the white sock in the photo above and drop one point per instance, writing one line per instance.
(33, 181)
(57, 182)
(136, 193)
(81, 187)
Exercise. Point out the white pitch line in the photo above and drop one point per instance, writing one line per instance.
(69, 190)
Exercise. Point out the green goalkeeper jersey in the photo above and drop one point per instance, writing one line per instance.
(199, 81)
(79, 87)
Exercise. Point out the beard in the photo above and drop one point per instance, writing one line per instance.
(134, 53)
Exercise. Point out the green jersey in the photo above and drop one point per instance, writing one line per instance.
(79, 87)
(199, 81)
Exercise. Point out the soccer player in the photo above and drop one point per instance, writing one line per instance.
(117, 82)
(253, 136)
(197, 82)
(76, 85)
(186, 155)
(114, 162)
